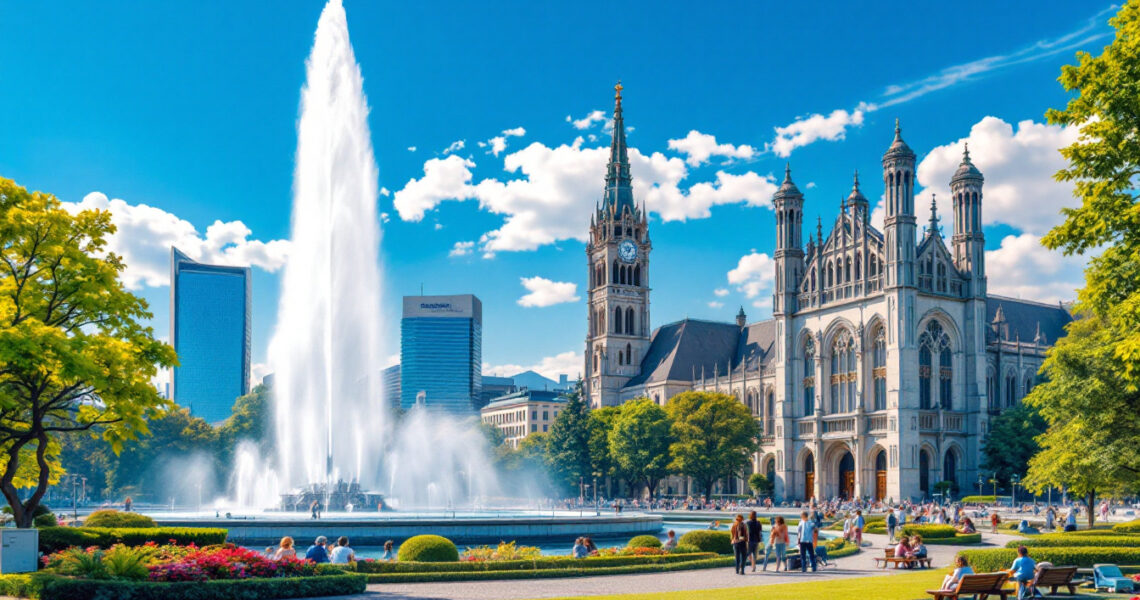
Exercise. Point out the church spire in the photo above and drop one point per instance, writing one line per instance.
(619, 184)
(933, 229)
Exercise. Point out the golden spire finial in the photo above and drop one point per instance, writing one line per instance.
(617, 90)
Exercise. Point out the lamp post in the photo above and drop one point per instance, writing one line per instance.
(597, 511)
(1014, 480)
(981, 482)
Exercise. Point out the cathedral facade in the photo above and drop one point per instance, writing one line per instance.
(885, 357)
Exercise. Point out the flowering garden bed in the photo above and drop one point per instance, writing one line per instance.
(176, 572)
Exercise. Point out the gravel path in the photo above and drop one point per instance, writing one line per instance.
(859, 565)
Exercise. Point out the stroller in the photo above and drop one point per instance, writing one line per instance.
(1109, 577)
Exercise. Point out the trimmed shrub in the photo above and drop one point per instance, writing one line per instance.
(879, 527)
(63, 588)
(1127, 527)
(1065, 540)
(428, 548)
(542, 564)
(114, 518)
(53, 539)
(24, 585)
(930, 531)
(46, 520)
(644, 541)
(978, 499)
(708, 541)
(868, 521)
(960, 539)
(684, 549)
(706, 563)
(987, 561)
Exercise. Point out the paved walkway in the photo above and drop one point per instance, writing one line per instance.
(859, 565)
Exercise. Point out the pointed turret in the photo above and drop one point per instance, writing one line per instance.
(788, 205)
(966, 169)
(856, 199)
(898, 146)
(933, 228)
(618, 196)
(969, 240)
(741, 318)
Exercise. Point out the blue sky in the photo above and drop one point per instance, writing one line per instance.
(187, 114)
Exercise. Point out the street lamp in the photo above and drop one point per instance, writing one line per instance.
(1014, 480)
(981, 482)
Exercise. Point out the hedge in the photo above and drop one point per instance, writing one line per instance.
(1127, 527)
(644, 541)
(867, 522)
(545, 563)
(708, 541)
(428, 548)
(978, 499)
(587, 571)
(1061, 540)
(53, 587)
(929, 531)
(961, 539)
(985, 561)
(53, 539)
(114, 518)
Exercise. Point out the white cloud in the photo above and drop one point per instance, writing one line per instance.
(514, 132)
(499, 143)
(559, 186)
(721, 292)
(567, 363)
(462, 249)
(544, 292)
(392, 360)
(811, 128)
(1022, 268)
(385, 192)
(715, 304)
(754, 274)
(1019, 190)
(257, 372)
(700, 146)
(438, 226)
(455, 146)
(145, 234)
(587, 121)
(411, 148)
(810, 185)
(384, 217)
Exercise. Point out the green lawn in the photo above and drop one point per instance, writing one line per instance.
(903, 586)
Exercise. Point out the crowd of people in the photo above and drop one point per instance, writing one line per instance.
(322, 551)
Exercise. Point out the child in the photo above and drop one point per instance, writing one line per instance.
(1022, 571)
(994, 520)
(962, 567)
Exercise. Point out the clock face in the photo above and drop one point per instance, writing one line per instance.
(627, 251)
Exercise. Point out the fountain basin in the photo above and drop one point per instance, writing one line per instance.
(461, 527)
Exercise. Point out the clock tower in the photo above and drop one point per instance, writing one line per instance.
(617, 255)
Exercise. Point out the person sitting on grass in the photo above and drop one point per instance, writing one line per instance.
(285, 549)
(317, 552)
(967, 526)
(342, 554)
(579, 550)
(590, 547)
(1023, 571)
(961, 567)
(389, 554)
(670, 541)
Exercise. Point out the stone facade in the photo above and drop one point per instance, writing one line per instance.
(885, 357)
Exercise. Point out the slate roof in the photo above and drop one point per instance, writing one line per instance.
(678, 350)
(1023, 317)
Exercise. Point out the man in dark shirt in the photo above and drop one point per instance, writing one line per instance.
(317, 552)
(755, 537)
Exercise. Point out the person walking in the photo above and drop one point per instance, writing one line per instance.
(805, 537)
(860, 522)
(892, 524)
(315, 509)
(739, 535)
(778, 543)
(995, 520)
(755, 537)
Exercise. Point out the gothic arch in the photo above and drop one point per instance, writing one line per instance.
(617, 320)
(629, 321)
(615, 271)
(952, 463)
(835, 327)
(949, 325)
(637, 275)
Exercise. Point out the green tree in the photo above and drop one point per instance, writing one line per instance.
(1093, 424)
(759, 484)
(1012, 441)
(714, 436)
(1104, 164)
(250, 419)
(74, 353)
(568, 443)
(602, 462)
(639, 442)
(138, 468)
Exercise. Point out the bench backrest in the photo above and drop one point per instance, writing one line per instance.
(889, 552)
(985, 582)
(1056, 575)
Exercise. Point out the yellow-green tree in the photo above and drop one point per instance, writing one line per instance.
(714, 436)
(639, 442)
(74, 353)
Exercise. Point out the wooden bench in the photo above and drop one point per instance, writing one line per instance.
(889, 558)
(982, 586)
(1055, 577)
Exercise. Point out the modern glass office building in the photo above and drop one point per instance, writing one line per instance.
(441, 339)
(210, 331)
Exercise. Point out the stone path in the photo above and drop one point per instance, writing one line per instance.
(859, 565)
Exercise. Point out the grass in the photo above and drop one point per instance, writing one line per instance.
(902, 586)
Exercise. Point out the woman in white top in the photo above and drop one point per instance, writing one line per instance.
(961, 568)
(342, 554)
(285, 549)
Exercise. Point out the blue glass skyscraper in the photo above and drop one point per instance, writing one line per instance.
(210, 331)
(441, 353)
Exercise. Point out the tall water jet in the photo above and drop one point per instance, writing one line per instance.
(327, 348)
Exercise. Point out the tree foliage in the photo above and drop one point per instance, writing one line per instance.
(568, 443)
(639, 442)
(1012, 441)
(760, 485)
(74, 353)
(714, 436)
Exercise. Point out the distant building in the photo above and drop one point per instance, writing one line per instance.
(493, 387)
(524, 412)
(441, 353)
(534, 381)
(210, 331)
(390, 383)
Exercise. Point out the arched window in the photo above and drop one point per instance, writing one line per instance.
(621, 358)
(770, 415)
(617, 320)
(624, 278)
(858, 270)
(934, 342)
(879, 369)
(1010, 389)
(629, 321)
(628, 354)
(1028, 384)
(847, 269)
(992, 391)
(950, 467)
(813, 280)
(637, 275)
(842, 373)
(809, 378)
(615, 271)
(830, 274)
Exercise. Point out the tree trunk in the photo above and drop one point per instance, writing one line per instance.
(1091, 500)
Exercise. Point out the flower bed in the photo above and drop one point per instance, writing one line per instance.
(503, 552)
(62, 588)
